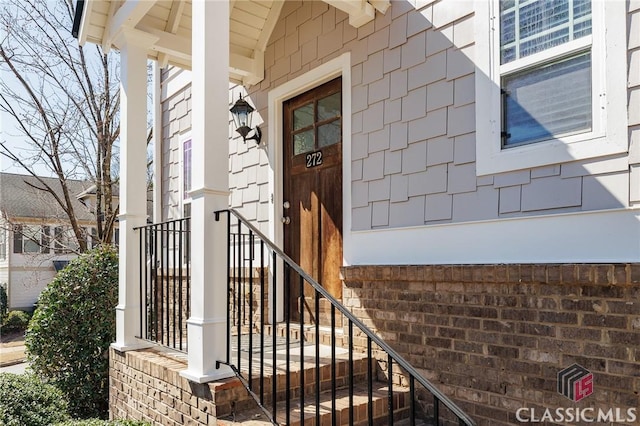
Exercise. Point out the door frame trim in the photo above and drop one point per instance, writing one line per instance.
(340, 66)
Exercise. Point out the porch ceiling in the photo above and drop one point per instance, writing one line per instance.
(251, 23)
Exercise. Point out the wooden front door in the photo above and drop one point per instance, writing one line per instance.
(313, 186)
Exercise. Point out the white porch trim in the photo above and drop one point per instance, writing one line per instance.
(592, 237)
(206, 328)
(133, 206)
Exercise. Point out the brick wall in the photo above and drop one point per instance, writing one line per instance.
(493, 337)
(146, 385)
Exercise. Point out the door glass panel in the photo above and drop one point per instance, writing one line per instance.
(329, 134)
(329, 107)
(303, 142)
(303, 117)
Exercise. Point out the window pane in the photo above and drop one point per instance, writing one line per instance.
(329, 107)
(31, 235)
(543, 42)
(528, 27)
(303, 142)
(31, 246)
(303, 117)
(554, 99)
(542, 16)
(17, 239)
(329, 134)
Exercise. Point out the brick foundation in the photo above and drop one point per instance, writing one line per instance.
(146, 385)
(493, 337)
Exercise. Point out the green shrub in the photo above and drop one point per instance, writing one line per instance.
(28, 401)
(4, 303)
(97, 422)
(16, 321)
(71, 330)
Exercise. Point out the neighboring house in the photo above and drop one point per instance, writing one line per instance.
(463, 176)
(35, 237)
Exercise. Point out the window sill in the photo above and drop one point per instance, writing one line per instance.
(546, 153)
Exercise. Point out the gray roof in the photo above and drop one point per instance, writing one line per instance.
(19, 198)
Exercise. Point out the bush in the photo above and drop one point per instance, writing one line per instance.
(28, 401)
(4, 303)
(97, 422)
(16, 321)
(71, 330)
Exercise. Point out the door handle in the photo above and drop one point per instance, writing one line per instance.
(286, 205)
(286, 220)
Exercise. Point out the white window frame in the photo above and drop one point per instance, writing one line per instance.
(609, 129)
(3, 244)
(184, 200)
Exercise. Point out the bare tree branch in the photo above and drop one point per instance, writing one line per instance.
(65, 104)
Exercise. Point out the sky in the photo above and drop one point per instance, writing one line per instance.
(10, 134)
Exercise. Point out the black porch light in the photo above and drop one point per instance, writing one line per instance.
(241, 111)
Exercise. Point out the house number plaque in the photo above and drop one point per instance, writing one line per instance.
(314, 159)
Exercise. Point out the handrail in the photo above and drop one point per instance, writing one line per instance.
(462, 416)
(166, 222)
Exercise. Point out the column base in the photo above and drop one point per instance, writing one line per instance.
(224, 372)
(205, 350)
(132, 346)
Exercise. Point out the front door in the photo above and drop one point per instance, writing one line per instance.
(313, 187)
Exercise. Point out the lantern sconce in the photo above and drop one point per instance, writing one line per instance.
(242, 112)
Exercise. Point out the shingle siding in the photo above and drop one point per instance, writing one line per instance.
(176, 121)
(413, 122)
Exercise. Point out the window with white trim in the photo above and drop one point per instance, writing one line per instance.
(187, 163)
(65, 241)
(546, 89)
(3, 244)
(31, 239)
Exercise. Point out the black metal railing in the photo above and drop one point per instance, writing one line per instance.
(270, 344)
(165, 282)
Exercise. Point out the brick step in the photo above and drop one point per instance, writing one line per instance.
(308, 369)
(256, 417)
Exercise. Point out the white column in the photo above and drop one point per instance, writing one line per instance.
(133, 188)
(210, 191)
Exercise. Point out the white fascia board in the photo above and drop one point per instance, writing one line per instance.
(84, 23)
(269, 25)
(600, 236)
